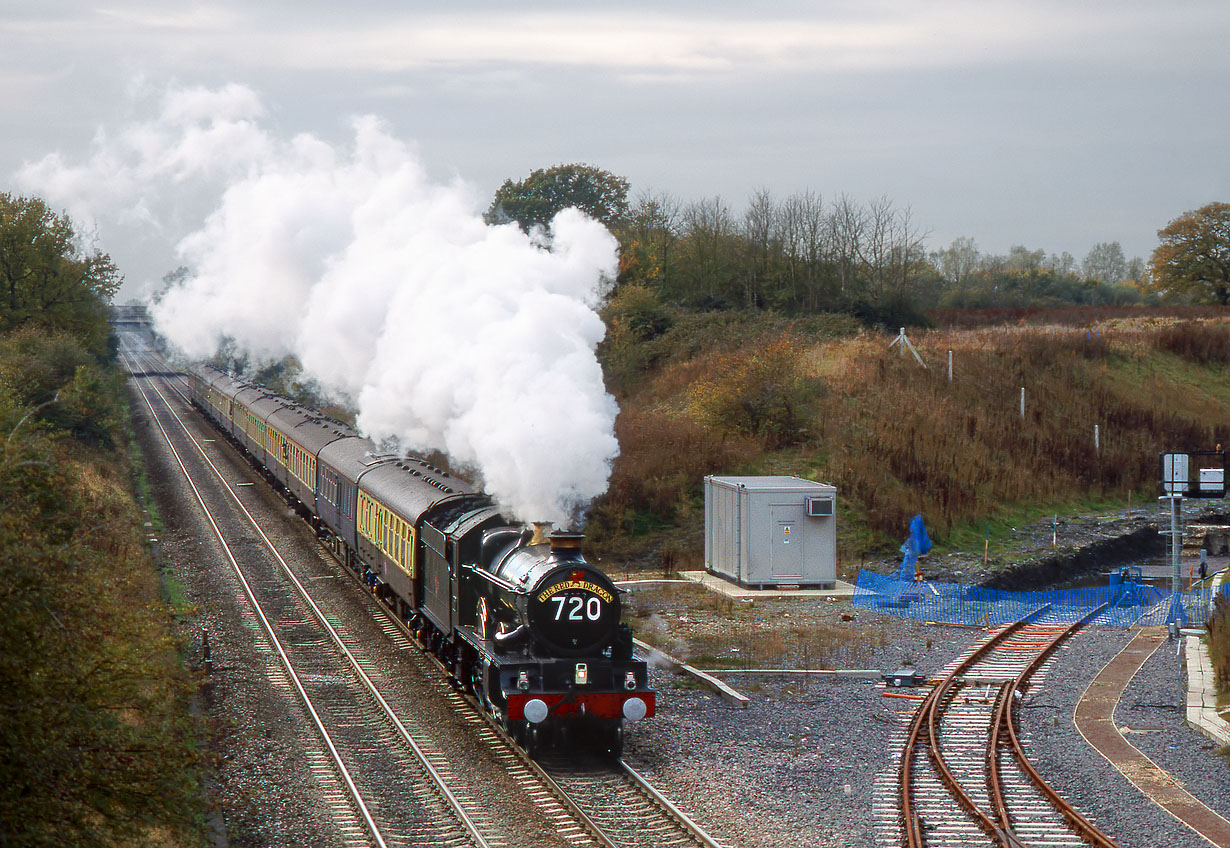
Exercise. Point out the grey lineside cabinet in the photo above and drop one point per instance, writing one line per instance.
(771, 531)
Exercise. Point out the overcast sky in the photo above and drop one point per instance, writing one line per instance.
(1054, 125)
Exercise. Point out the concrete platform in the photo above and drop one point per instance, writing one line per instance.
(1202, 709)
(733, 590)
(1203, 713)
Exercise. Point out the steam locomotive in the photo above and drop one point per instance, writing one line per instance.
(521, 619)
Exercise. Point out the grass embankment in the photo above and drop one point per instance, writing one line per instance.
(826, 402)
(96, 746)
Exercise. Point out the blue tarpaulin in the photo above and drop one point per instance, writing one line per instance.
(913, 547)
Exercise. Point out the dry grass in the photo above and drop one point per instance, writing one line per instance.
(898, 439)
(1074, 316)
(715, 631)
(1219, 644)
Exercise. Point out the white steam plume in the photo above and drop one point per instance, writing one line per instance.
(444, 332)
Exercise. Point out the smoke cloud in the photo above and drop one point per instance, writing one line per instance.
(444, 333)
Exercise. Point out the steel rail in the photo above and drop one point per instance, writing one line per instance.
(998, 828)
(658, 798)
(923, 722)
(1006, 719)
(550, 783)
(431, 771)
(935, 752)
(554, 788)
(353, 789)
(595, 830)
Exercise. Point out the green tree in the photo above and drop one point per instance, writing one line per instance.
(46, 279)
(1194, 255)
(535, 200)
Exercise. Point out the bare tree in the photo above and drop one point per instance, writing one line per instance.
(762, 242)
(654, 222)
(892, 250)
(1064, 264)
(1105, 262)
(847, 226)
(1021, 258)
(958, 260)
(708, 230)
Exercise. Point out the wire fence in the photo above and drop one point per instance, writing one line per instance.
(1127, 603)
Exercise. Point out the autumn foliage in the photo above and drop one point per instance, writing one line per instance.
(760, 391)
(898, 439)
(1193, 258)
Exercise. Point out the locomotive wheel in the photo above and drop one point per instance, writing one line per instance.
(476, 685)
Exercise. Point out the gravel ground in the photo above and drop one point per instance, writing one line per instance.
(262, 788)
(265, 788)
(1084, 776)
(800, 765)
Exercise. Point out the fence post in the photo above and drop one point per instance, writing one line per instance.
(1022, 403)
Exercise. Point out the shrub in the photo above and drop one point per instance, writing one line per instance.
(1196, 342)
(761, 391)
(36, 363)
(662, 463)
(636, 314)
(1219, 643)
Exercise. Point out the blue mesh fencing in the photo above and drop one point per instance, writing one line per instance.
(1127, 604)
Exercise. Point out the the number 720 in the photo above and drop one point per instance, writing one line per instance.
(578, 608)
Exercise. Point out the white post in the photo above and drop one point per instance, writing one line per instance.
(1097, 446)
(1176, 543)
(950, 366)
(1022, 403)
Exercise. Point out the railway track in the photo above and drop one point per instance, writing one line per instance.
(963, 778)
(620, 803)
(388, 791)
(343, 694)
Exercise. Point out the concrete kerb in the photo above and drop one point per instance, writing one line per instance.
(728, 694)
(1202, 694)
(732, 590)
(1202, 714)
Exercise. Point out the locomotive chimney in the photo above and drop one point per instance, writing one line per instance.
(541, 530)
(562, 541)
